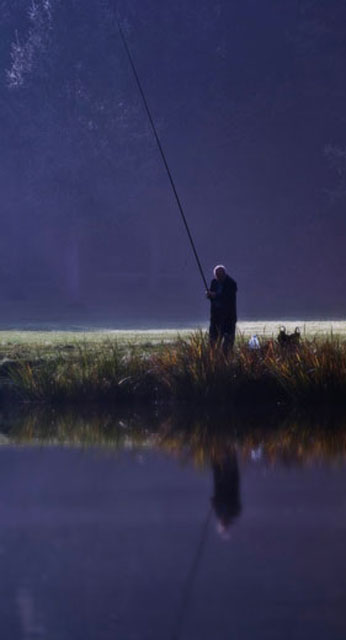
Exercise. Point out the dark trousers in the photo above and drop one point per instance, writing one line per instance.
(222, 330)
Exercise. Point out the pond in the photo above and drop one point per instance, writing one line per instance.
(151, 537)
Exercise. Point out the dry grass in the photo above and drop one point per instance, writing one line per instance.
(313, 371)
(187, 371)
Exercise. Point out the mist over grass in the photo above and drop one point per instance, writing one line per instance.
(18, 342)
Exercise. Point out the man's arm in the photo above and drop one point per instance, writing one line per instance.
(211, 293)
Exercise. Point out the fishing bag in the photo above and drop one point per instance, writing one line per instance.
(288, 339)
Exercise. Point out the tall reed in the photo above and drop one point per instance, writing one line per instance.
(189, 372)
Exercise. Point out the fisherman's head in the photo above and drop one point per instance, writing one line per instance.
(219, 272)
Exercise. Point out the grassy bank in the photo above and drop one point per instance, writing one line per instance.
(183, 370)
(33, 343)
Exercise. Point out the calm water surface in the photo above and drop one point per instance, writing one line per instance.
(138, 543)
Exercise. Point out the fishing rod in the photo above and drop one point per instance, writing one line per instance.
(170, 177)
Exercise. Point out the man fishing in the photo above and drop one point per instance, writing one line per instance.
(223, 309)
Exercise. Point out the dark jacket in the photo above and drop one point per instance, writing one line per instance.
(225, 303)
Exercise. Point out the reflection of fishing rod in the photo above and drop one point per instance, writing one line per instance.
(162, 153)
(190, 580)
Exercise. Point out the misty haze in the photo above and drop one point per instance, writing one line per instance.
(249, 100)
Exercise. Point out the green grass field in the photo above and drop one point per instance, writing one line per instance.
(16, 343)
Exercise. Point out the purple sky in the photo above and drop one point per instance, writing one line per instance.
(249, 99)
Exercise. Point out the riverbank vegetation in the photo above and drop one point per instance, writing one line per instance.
(289, 438)
(182, 371)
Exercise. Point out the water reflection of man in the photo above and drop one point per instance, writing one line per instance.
(226, 498)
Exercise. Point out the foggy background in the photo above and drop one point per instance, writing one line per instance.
(250, 102)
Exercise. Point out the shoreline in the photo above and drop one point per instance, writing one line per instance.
(179, 371)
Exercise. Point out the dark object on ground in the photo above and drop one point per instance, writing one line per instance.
(288, 339)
